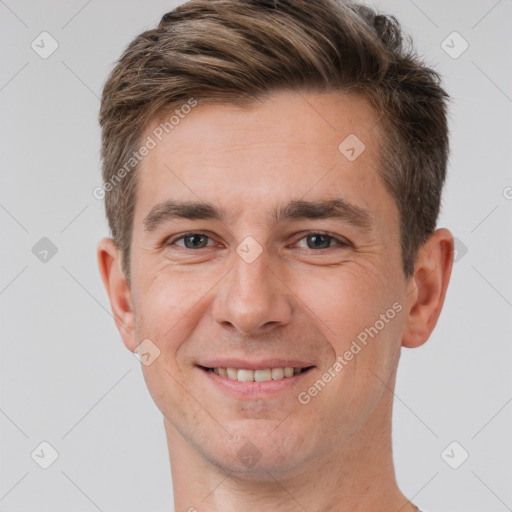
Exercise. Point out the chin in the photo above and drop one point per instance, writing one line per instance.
(259, 450)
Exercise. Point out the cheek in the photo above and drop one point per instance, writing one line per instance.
(164, 317)
(344, 302)
(168, 308)
(168, 302)
(361, 316)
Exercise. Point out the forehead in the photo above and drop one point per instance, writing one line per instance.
(291, 145)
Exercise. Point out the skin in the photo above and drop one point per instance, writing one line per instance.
(295, 300)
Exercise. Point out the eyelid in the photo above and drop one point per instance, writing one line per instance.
(340, 241)
(172, 240)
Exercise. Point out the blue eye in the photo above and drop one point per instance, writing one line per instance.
(320, 241)
(196, 240)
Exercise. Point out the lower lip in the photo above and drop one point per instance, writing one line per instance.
(245, 390)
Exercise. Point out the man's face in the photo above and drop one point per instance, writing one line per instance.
(248, 289)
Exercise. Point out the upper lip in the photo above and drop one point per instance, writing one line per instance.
(254, 365)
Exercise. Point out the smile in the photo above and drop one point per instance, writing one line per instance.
(248, 375)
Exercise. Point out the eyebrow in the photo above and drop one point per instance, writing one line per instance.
(294, 210)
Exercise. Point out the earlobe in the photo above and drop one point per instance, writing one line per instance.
(430, 282)
(118, 290)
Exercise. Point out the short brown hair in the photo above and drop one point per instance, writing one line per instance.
(237, 50)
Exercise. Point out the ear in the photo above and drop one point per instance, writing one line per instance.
(118, 290)
(428, 286)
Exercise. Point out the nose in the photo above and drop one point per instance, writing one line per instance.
(253, 298)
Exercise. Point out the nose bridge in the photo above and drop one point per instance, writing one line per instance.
(251, 296)
(253, 279)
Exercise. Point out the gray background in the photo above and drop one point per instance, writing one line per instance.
(66, 377)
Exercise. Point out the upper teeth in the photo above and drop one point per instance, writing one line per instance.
(256, 375)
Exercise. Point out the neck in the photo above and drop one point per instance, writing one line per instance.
(355, 477)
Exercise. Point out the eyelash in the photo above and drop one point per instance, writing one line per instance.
(341, 243)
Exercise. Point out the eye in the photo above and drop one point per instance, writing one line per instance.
(321, 240)
(316, 240)
(191, 241)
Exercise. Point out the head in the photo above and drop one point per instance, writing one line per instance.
(278, 120)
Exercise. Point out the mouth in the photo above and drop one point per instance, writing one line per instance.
(244, 383)
(259, 375)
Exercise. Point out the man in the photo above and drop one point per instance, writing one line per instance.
(273, 174)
